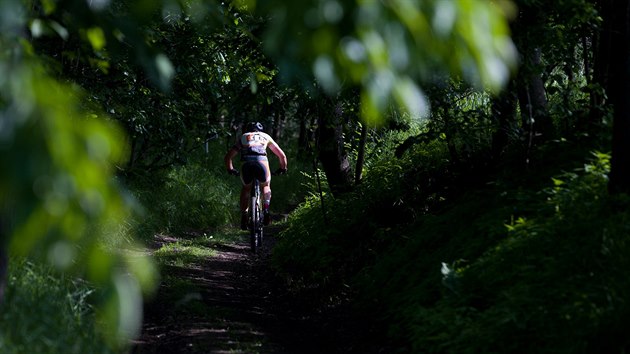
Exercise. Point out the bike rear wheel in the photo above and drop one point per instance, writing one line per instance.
(255, 228)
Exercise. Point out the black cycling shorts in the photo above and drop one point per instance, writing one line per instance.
(254, 169)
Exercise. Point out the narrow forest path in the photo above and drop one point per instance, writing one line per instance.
(234, 303)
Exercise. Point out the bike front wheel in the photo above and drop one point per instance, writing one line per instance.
(254, 224)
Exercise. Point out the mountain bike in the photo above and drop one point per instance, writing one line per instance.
(255, 217)
(255, 223)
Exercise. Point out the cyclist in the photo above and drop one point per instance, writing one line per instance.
(253, 146)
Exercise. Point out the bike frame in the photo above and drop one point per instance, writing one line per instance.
(255, 217)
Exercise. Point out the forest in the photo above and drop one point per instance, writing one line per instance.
(458, 176)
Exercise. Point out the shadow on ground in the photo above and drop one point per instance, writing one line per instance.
(234, 303)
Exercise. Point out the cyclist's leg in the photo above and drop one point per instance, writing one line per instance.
(249, 171)
(245, 190)
(244, 202)
(263, 175)
(265, 184)
(247, 177)
(266, 187)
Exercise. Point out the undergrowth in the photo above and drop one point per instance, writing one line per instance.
(454, 262)
(202, 196)
(44, 312)
(183, 198)
(554, 283)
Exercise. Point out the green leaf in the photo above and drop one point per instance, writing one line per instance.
(96, 37)
(245, 5)
(557, 182)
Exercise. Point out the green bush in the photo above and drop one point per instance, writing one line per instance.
(44, 312)
(288, 190)
(555, 284)
(185, 198)
(330, 239)
(458, 266)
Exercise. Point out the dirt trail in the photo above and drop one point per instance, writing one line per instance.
(240, 306)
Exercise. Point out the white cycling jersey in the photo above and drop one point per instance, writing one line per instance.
(253, 146)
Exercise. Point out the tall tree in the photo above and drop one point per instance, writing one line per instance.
(618, 14)
(530, 86)
(602, 52)
(358, 171)
(332, 152)
(4, 237)
(504, 114)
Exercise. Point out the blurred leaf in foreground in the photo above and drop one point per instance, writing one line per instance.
(58, 195)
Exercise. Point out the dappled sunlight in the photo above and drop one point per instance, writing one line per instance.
(216, 298)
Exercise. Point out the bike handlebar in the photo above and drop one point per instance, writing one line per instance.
(278, 172)
(234, 172)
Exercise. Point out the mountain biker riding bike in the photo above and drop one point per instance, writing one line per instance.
(253, 146)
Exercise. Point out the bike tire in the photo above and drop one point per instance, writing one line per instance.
(261, 227)
(254, 212)
(253, 226)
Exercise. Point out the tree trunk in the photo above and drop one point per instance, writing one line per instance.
(3, 256)
(361, 155)
(332, 154)
(619, 94)
(504, 113)
(602, 52)
(303, 141)
(4, 267)
(532, 97)
(278, 121)
(307, 113)
(530, 86)
(586, 48)
(450, 131)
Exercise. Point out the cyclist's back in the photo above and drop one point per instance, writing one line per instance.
(252, 146)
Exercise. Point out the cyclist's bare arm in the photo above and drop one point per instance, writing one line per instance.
(280, 154)
(228, 158)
